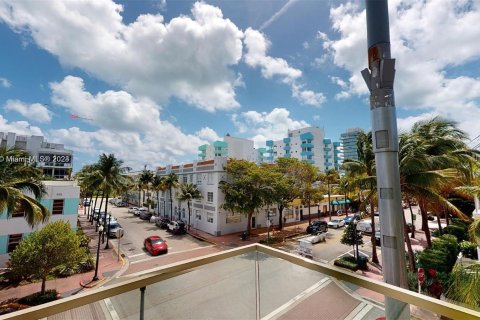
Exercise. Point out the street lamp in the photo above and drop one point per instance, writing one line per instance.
(100, 231)
(108, 230)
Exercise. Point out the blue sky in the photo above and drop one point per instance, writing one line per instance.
(159, 78)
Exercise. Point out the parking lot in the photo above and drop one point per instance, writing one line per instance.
(136, 230)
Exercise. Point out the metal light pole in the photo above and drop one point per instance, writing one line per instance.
(379, 80)
(108, 230)
(95, 276)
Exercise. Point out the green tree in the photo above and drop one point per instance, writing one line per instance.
(189, 192)
(145, 179)
(283, 184)
(42, 251)
(246, 188)
(351, 236)
(364, 175)
(328, 178)
(171, 182)
(306, 177)
(17, 180)
(465, 285)
(158, 184)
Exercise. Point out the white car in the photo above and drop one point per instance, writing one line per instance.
(140, 210)
(336, 223)
(132, 209)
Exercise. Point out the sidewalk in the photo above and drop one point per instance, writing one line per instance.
(107, 267)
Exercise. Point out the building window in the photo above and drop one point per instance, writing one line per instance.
(198, 214)
(183, 213)
(57, 206)
(209, 196)
(209, 217)
(191, 178)
(210, 178)
(19, 212)
(13, 241)
(199, 178)
(185, 179)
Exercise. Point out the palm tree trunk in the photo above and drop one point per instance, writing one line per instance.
(171, 204)
(280, 217)
(139, 197)
(105, 226)
(249, 224)
(309, 216)
(44, 283)
(411, 257)
(372, 237)
(411, 214)
(346, 210)
(188, 205)
(425, 228)
(158, 203)
(329, 203)
(93, 213)
(439, 224)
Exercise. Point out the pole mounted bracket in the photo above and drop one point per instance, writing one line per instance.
(382, 75)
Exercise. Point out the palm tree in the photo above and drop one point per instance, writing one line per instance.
(189, 192)
(109, 173)
(17, 182)
(329, 178)
(145, 178)
(158, 184)
(171, 181)
(364, 172)
(307, 175)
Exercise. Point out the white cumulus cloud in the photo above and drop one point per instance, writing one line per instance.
(262, 126)
(19, 127)
(36, 112)
(188, 57)
(4, 82)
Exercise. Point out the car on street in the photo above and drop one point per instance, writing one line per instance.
(377, 238)
(316, 226)
(336, 223)
(86, 203)
(132, 209)
(162, 222)
(139, 211)
(114, 226)
(351, 218)
(155, 245)
(177, 227)
(145, 215)
(121, 204)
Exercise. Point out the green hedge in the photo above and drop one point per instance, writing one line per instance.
(37, 298)
(441, 256)
(468, 249)
(458, 230)
(352, 263)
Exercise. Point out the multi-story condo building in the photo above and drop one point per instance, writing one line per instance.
(308, 144)
(230, 147)
(349, 141)
(52, 158)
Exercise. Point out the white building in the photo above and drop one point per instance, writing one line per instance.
(207, 214)
(53, 158)
(62, 201)
(306, 144)
(230, 147)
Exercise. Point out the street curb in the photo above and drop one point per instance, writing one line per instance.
(196, 236)
(98, 283)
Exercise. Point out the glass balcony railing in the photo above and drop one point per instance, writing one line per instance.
(251, 282)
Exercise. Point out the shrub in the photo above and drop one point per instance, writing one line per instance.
(344, 263)
(434, 259)
(37, 298)
(458, 230)
(412, 280)
(468, 249)
(448, 243)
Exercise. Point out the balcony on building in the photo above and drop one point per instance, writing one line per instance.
(250, 282)
(307, 145)
(306, 153)
(287, 148)
(306, 136)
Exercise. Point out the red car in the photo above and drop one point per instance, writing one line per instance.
(155, 245)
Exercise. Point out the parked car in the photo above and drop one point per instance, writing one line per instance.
(377, 238)
(316, 226)
(86, 203)
(114, 226)
(132, 209)
(351, 218)
(366, 225)
(139, 211)
(177, 227)
(155, 245)
(162, 222)
(336, 223)
(145, 215)
(121, 204)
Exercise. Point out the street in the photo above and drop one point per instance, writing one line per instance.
(136, 230)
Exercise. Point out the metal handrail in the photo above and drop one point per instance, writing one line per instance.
(152, 276)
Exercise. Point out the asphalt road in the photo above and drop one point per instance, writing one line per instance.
(136, 230)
